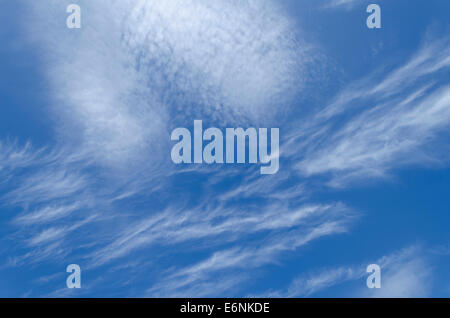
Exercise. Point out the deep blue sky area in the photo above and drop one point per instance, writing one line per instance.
(86, 175)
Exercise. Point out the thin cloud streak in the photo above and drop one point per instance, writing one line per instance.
(368, 131)
(404, 273)
(122, 95)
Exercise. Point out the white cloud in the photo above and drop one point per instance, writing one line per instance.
(47, 185)
(136, 68)
(370, 129)
(155, 63)
(404, 273)
(347, 4)
(245, 259)
(47, 213)
(222, 224)
(343, 4)
(408, 274)
(133, 69)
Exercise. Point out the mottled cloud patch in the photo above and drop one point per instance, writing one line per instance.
(137, 67)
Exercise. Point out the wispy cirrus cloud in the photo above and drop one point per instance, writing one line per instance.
(221, 225)
(404, 273)
(368, 130)
(347, 4)
(243, 259)
(409, 274)
(48, 213)
(157, 64)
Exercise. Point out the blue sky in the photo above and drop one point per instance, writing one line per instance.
(87, 177)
